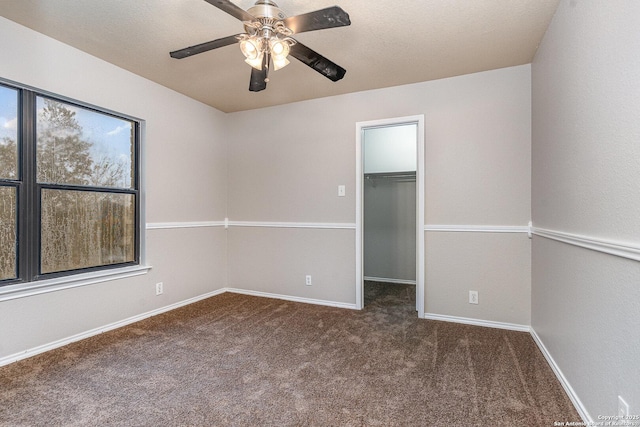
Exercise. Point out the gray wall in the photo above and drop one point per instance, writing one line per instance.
(477, 172)
(586, 105)
(389, 229)
(185, 170)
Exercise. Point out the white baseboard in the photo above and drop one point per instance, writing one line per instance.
(577, 403)
(478, 322)
(386, 280)
(292, 298)
(62, 342)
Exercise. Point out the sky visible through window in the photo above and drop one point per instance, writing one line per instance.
(110, 137)
(8, 113)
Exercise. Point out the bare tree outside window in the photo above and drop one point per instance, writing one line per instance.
(8, 217)
(79, 147)
(83, 229)
(8, 158)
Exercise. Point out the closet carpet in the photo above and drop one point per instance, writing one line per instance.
(237, 360)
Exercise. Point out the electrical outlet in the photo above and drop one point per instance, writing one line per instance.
(473, 297)
(307, 280)
(623, 408)
(159, 289)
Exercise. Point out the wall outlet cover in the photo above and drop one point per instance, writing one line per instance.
(473, 297)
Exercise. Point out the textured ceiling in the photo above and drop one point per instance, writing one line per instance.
(386, 44)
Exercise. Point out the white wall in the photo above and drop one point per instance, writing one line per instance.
(185, 164)
(586, 104)
(477, 165)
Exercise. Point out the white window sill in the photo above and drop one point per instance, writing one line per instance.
(23, 290)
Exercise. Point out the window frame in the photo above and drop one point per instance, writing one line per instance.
(28, 278)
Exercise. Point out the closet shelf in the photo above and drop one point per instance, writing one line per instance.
(403, 176)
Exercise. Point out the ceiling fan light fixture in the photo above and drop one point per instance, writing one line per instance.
(279, 63)
(255, 62)
(279, 51)
(251, 48)
(267, 40)
(279, 48)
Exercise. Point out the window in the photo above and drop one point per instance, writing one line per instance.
(69, 187)
(8, 182)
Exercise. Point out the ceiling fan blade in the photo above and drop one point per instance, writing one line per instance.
(232, 9)
(257, 82)
(313, 59)
(320, 19)
(259, 78)
(204, 47)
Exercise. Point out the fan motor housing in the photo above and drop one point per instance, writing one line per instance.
(266, 9)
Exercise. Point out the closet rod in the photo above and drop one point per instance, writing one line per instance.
(391, 175)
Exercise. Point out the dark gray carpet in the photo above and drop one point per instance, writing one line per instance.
(235, 360)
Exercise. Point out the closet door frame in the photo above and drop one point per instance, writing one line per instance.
(420, 198)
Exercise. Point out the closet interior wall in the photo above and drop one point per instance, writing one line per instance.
(390, 227)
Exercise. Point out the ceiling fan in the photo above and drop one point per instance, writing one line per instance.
(267, 39)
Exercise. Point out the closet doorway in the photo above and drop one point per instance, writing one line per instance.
(390, 204)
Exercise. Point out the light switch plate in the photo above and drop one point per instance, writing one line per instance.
(342, 191)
